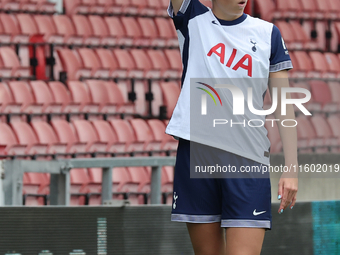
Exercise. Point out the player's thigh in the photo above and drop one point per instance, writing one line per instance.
(207, 238)
(244, 241)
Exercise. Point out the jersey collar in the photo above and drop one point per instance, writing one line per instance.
(232, 22)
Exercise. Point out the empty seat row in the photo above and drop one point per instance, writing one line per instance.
(302, 9)
(315, 134)
(120, 63)
(31, 6)
(92, 96)
(117, 7)
(84, 138)
(299, 36)
(315, 65)
(131, 183)
(92, 30)
(325, 97)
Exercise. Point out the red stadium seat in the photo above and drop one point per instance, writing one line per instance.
(10, 27)
(121, 182)
(264, 9)
(91, 61)
(116, 97)
(334, 6)
(144, 134)
(62, 95)
(65, 27)
(126, 7)
(46, 27)
(94, 6)
(167, 31)
(11, 64)
(305, 64)
(310, 10)
(101, 30)
(160, 62)
(7, 103)
(324, 7)
(79, 179)
(126, 62)
(143, 62)
(322, 94)
(333, 63)
(66, 135)
(143, 8)
(85, 133)
(79, 94)
(10, 6)
(171, 93)
(117, 31)
(44, 6)
(134, 31)
(110, 7)
(46, 135)
(109, 61)
(72, 65)
(22, 95)
(302, 40)
(140, 176)
(99, 95)
(75, 6)
(26, 136)
(307, 138)
(289, 37)
(320, 64)
(311, 105)
(10, 141)
(334, 123)
(174, 58)
(324, 131)
(27, 24)
(84, 29)
(104, 132)
(43, 95)
(334, 88)
(149, 31)
(158, 129)
(125, 134)
(34, 188)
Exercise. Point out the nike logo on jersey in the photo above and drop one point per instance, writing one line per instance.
(246, 62)
(257, 213)
(214, 22)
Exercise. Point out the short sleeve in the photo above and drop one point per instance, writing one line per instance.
(188, 10)
(279, 57)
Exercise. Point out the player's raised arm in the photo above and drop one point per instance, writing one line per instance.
(176, 4)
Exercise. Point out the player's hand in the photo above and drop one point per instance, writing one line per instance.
(288, 187)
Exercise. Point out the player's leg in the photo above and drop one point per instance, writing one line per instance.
(197, 201)
(244, 241)
(246, 209)
(207, 238)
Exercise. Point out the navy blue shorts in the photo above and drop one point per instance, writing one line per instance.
(235, 202)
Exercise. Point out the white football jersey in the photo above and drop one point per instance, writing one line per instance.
(245, 48)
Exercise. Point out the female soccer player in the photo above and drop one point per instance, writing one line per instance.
(228, 215)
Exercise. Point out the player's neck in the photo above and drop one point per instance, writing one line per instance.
(220, 14)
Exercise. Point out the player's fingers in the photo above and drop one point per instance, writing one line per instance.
(293, 202)
(280, 190)
(289, 192)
